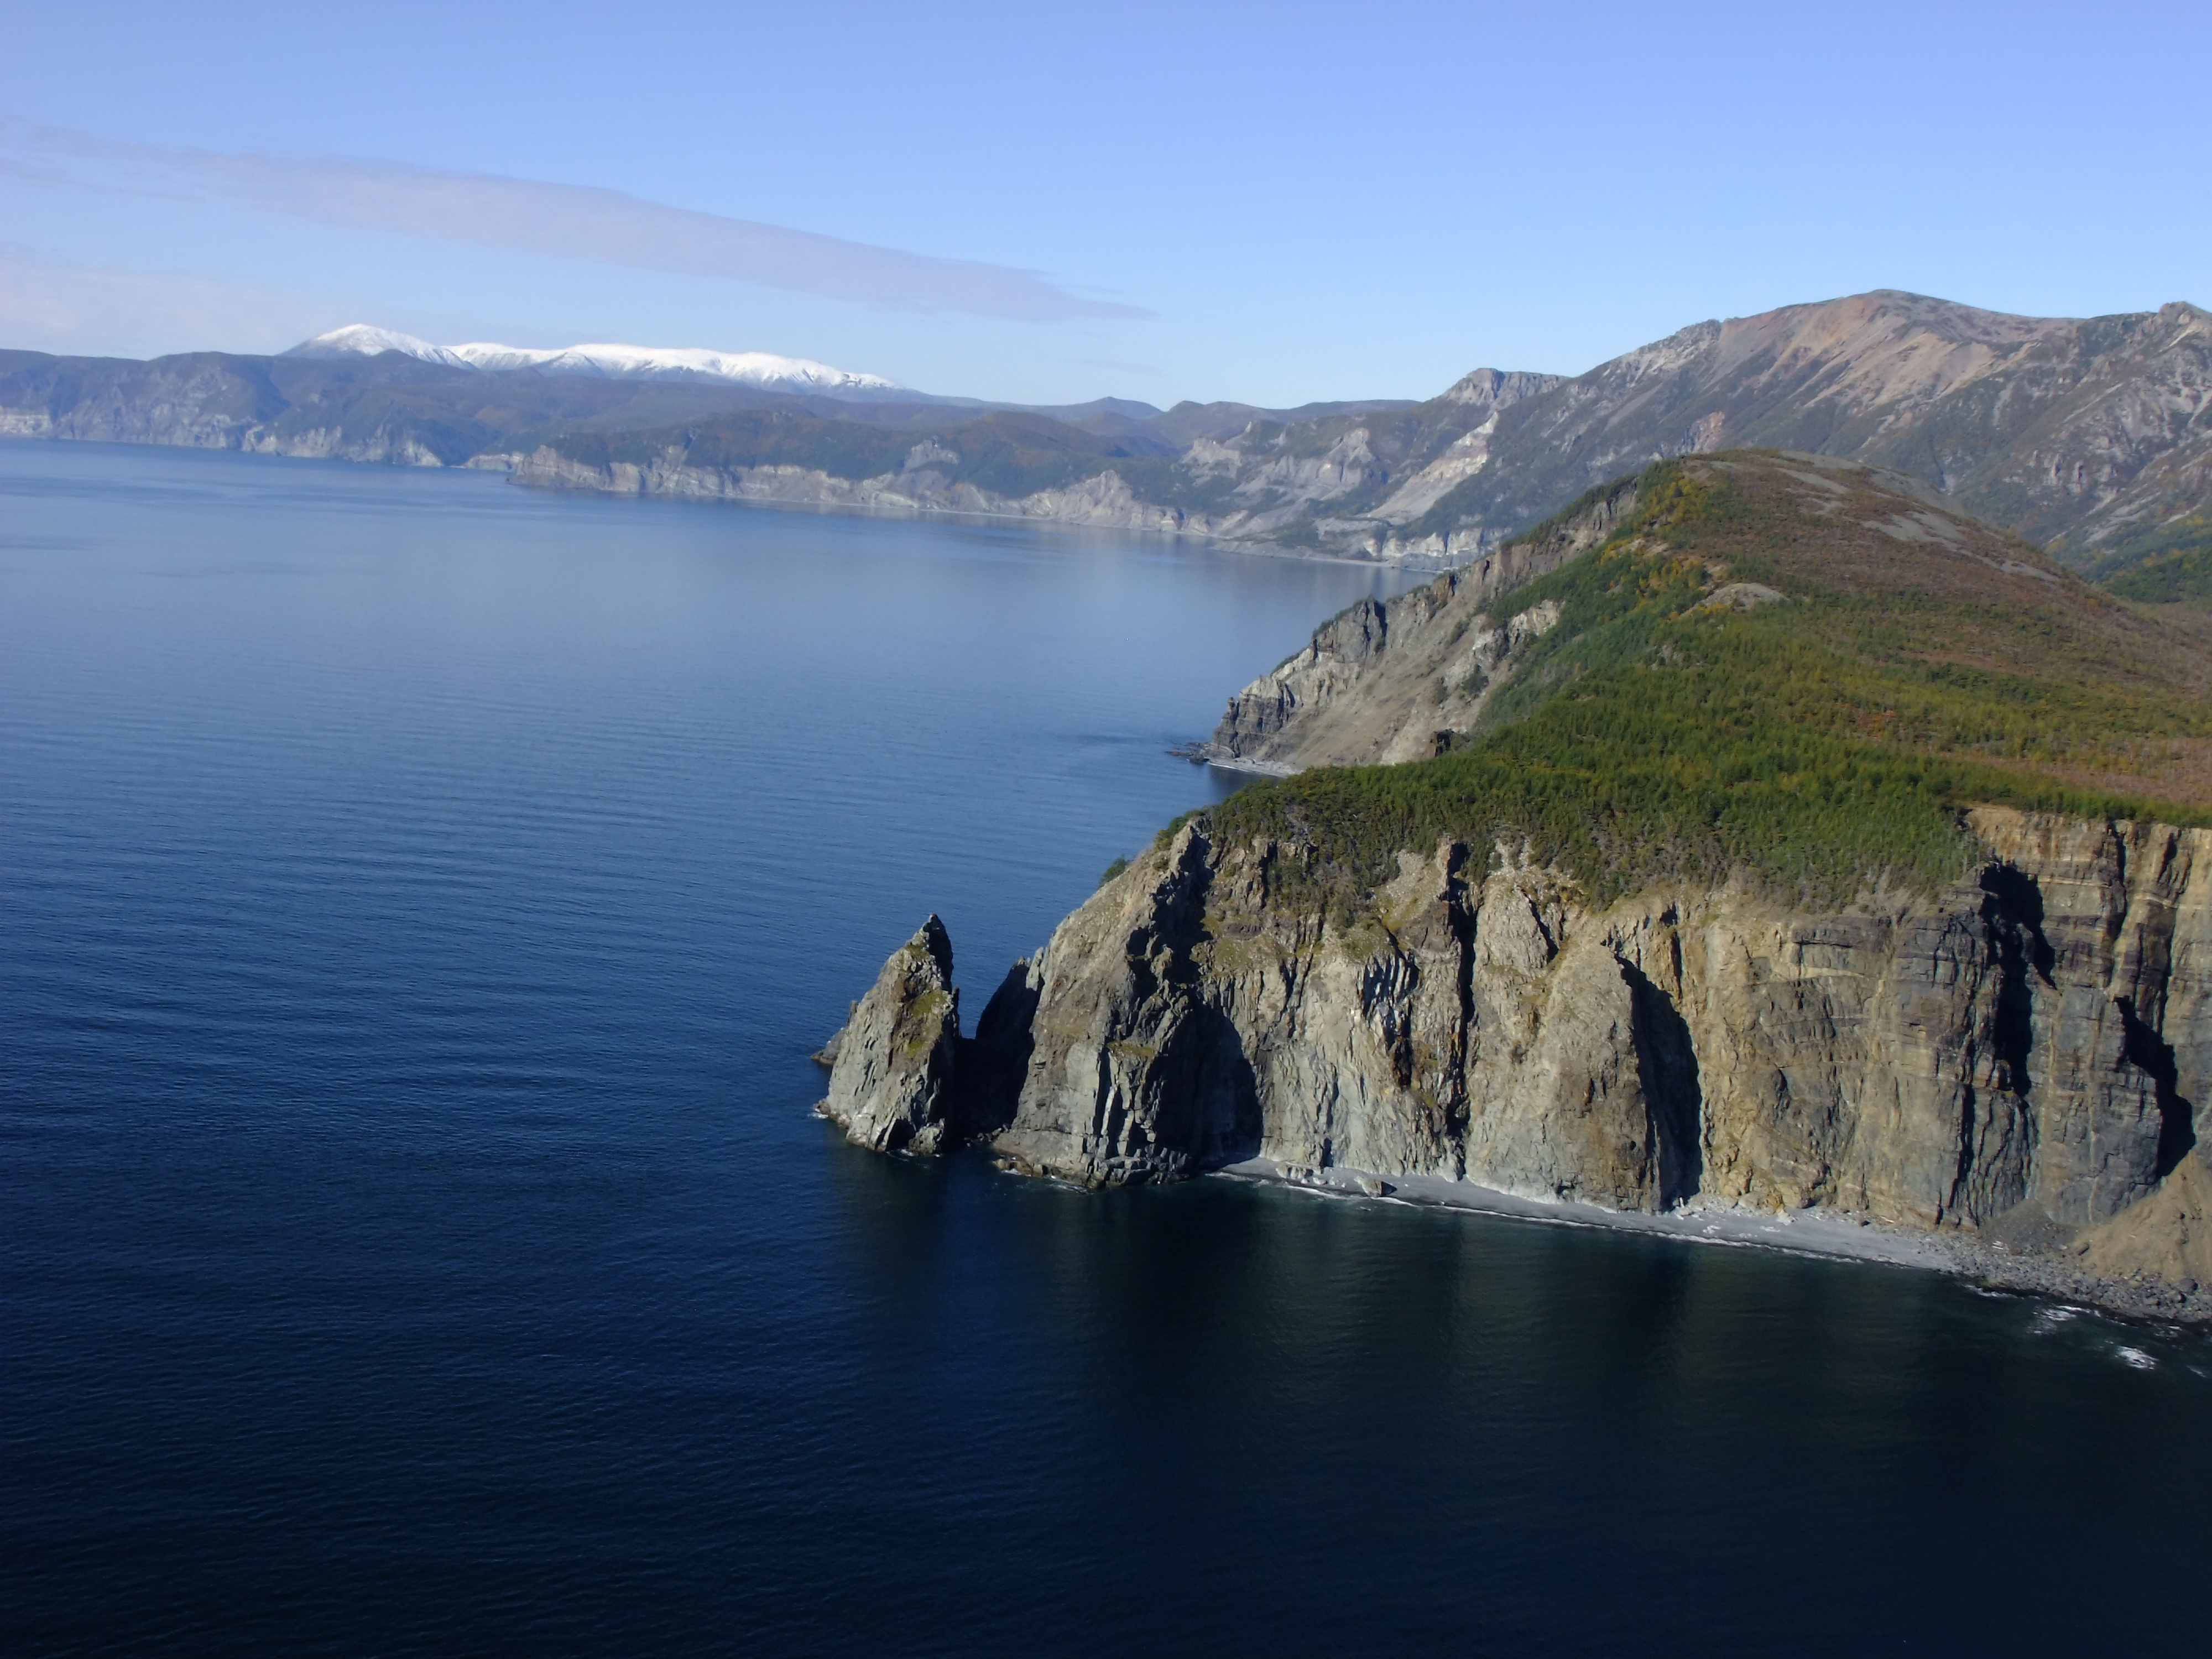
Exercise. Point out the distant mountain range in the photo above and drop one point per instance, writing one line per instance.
(376, 396)
(2090, 438)
(2082, 436)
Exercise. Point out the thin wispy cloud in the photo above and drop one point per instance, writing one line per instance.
(574, 221)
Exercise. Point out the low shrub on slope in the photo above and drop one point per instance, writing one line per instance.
(1798, 670)
(2172, 567)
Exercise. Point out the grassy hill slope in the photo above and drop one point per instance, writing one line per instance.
(1895, 666)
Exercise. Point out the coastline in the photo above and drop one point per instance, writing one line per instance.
(1833, 1235)
(1101, 504)
(505, 465)
(1208, 753)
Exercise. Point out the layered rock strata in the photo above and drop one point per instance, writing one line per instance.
(2020, 1056)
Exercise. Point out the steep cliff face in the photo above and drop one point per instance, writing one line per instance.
(896, 1059)
(901, 1076)
(2036, 1036)
(2021, 1055)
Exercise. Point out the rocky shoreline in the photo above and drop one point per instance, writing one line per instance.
(1842, 1236)
(1704, 1064)
(1386, 983)
(1990, 1266)
(1103, 501)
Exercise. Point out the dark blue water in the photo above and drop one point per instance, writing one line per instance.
(417, 900)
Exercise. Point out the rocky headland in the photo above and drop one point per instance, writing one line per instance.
(2009, 1066)
(1947, 1013)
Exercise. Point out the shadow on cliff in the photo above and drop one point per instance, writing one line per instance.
(1202, 1093)
(1674, 1096)
(2012, 912)
(1215, 1115)
(2015, 910)
(994, 1062)
(2151, 1054)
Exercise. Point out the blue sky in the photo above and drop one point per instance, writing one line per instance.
(1272, 203)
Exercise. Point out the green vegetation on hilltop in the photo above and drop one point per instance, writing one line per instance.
(2171, 566)
(1820, 743)
(2178, 579)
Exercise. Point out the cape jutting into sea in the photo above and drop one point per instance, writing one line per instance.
(418, 900)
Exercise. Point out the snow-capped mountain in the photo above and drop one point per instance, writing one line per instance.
(604, 361)
(360, 340)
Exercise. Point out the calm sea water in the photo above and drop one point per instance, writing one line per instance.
(417, 900)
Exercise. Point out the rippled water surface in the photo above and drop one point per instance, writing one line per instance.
(417, 900)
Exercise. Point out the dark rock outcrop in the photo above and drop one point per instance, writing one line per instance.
(902, 1078)
(896, 1061)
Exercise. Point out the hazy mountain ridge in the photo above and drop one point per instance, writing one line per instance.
(400, 409)
(392, 410)
(397, 409)
(1238, 473)
(2081, 435)
(2093, 438)
(1005, 464)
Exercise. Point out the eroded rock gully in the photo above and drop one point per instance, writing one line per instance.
(2021, 1058)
